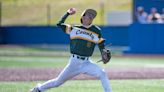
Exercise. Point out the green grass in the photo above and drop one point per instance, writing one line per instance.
(90, 86)
(25, 62)
(34, 12)
(137, 61)
(37, 57)
(56, 61)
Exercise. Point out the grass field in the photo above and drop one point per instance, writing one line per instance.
(52, 62)
(90, 86)
(45, 61)
(34, 12)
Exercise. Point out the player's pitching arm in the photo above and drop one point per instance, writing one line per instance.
(66, 27)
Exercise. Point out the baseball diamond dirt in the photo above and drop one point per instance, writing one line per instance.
(35, 74)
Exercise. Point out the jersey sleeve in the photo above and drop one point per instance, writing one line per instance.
(65, 27)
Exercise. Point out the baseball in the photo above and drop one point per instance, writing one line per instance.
(72, 11)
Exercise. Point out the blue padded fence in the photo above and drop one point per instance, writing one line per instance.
(146, 38)
(54, 35)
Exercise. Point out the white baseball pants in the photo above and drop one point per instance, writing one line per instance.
(77, 66)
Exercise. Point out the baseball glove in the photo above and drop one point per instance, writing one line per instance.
(106, 56)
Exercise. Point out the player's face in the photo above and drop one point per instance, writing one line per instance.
(87, 19)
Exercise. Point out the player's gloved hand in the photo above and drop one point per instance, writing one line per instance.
(71, 11)
(106, 56)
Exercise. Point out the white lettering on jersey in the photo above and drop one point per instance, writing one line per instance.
(78, 33)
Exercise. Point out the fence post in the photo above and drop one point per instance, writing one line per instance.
(0, 14)
(1, 31)
(48, 14)
(102, 11)
(134, 19)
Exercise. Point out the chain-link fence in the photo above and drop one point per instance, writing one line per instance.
(39, 12)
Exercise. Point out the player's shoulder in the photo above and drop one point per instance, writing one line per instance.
(95, 27)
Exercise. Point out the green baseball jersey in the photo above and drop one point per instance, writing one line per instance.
(82, 39)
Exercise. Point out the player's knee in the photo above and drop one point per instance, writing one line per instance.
(102, 73)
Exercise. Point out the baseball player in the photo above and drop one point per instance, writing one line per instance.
(83, 39)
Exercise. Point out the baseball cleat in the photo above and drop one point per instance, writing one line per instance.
(35, 90)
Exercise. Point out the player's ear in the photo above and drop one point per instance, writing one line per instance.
(81, 21)
(81, 18)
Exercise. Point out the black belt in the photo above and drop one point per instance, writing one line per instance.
(80, 57)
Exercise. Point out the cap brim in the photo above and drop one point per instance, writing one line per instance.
(91, 11)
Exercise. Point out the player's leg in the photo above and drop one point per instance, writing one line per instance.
(68, 72)
(94, 70)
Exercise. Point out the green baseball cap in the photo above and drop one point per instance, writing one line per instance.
(91, 12)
